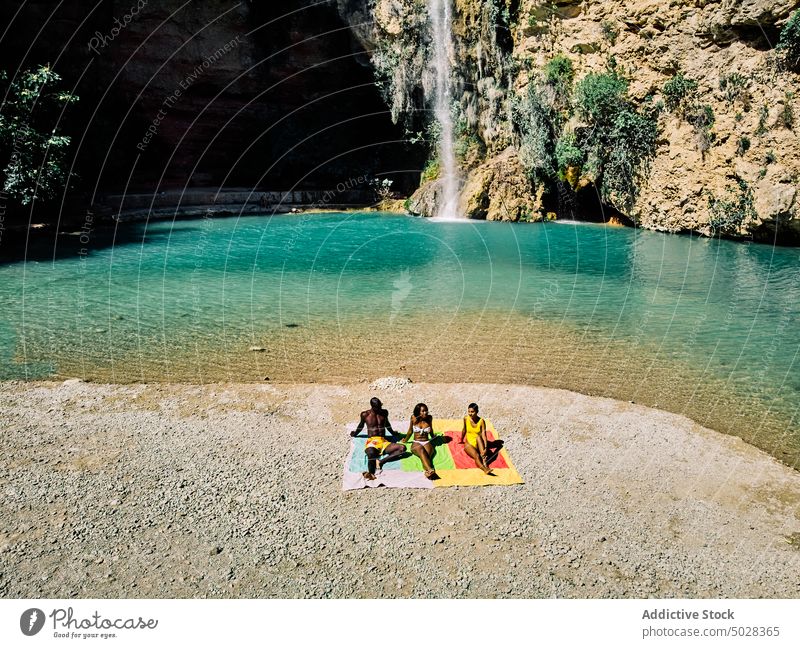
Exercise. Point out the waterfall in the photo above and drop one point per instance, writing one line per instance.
(440, 17)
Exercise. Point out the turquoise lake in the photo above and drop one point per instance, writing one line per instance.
(697, 326)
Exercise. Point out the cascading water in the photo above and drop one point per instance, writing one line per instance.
(440, 17)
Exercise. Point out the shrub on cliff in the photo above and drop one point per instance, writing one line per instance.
(678, 93)
(789, 42)
(600, 97)
(33, 149)
(618, 142)
(559, 74)
(730, 214)
(633, 145)
(735, 87)
(568, 155)
(536, 122)
(701, 117)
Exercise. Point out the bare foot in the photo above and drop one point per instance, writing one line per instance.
(368, 475)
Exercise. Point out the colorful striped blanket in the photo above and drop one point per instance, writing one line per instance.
(453, 465)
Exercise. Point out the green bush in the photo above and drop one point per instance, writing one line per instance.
(568, 154)
(619, 142)
(678, 92)
(599, 97)
(431, 171)
(730, 214)
(735, 87)
(610, 32)
(33, 150)
(559, 74)
(789, 42)
(559, 70)
(537, 123)
(633, 145)
(742, 146)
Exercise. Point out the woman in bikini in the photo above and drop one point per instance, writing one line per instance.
(421, 426)
(474, 431)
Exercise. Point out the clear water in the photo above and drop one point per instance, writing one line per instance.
(702, 327)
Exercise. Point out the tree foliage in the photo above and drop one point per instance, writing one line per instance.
(599, 97)
(731, 213)
(34, 150)
(679, 92)
(619, 142)
(536, 120)
(789, 42)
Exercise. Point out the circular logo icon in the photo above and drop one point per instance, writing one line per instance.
(31, 621)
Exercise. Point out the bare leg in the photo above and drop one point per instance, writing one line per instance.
(472, 451)
(430, 449)
(421, 451)
(372, 456)
(482, 449)
(393, 451)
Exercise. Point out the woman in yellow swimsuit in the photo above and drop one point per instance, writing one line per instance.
(474, 431)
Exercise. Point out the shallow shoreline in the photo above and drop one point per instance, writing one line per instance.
(234, 490)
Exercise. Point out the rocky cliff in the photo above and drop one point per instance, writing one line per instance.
(216, 93)
(703, 138)
(675, 115)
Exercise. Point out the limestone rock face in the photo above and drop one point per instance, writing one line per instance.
(499, 190)
(750, 155)
(424, 200)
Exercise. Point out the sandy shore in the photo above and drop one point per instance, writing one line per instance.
(235, 491)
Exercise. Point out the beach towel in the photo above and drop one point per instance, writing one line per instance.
(453, 465)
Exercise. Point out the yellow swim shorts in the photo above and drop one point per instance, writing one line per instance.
(378, 442)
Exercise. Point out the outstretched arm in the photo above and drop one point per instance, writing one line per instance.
(360, 427)
(463, 430)
(395, 433)
(410, 429)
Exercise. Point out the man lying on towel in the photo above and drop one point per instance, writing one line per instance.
(379, 449)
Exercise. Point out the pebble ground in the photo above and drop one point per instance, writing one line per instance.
(234, 490)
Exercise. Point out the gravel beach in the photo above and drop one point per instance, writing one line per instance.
(234, 490)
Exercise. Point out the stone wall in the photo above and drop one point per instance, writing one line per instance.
(503, 46)
(216, 93)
